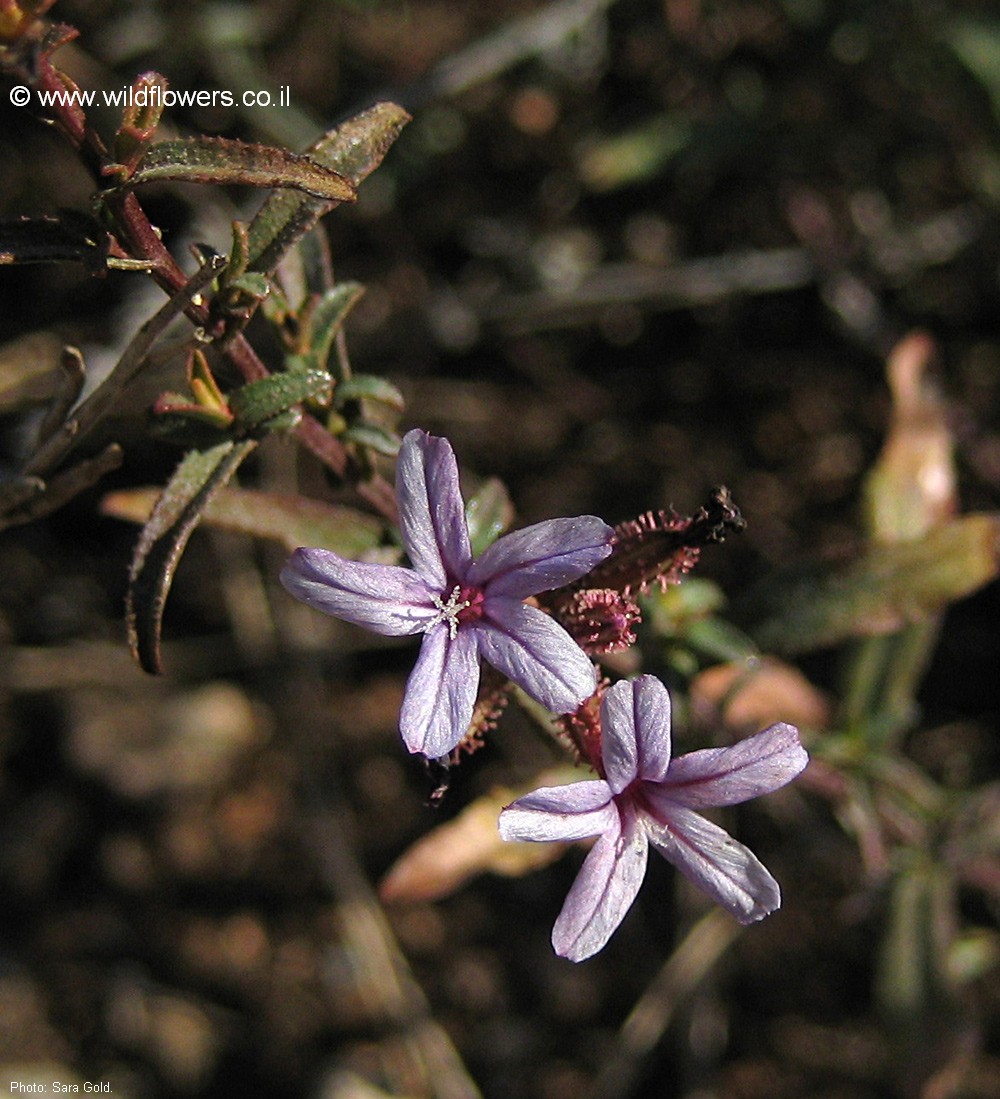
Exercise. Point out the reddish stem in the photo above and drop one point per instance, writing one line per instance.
(141, 241)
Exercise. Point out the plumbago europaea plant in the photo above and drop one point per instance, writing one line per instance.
(536, 605)
(497, 605)
(275, 265)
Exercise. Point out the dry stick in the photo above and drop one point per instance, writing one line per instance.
(484, 59)
(379, 971)
(378, 966)
(64, 486)
(646, 1024)
(55, 449)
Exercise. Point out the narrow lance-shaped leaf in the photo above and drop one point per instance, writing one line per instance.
(257, 402)
(140, 118)
(376, 438)
(369, 387)
(488, 512)
(207, 159)
(353, 150)
(909, 490)
(291, 520)
(326, 318)
(888, 588)
(911, 984)
(72, 375)
(200, 475)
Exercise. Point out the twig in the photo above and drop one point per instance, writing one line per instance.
(537, 33)
(416, 1044)
(680, 975)
(55, 449)
(764, 271)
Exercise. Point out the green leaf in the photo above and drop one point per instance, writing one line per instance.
(206, 159)
(198, 478)
(252, 285)
(887, 589)
(374, 437)
(256, 402)
(368, 387)
(140, 118)
(488, 512)
(353, 150)
(635, 155)
(717, 639)
(291, 520)
(239, 254)
(911, 984)
(976, 43)
(326, 318)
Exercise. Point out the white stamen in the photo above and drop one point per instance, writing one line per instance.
(449, 612)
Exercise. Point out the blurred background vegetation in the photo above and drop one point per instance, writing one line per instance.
(625, 252)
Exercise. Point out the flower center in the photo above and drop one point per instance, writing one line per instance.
(463, 605)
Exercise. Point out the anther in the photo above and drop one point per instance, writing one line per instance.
(449, 612)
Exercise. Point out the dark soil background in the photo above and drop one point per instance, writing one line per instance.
(634, 252)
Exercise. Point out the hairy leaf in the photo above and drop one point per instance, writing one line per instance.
(257, 402)
(198, 478)
(374, 437)
(291, 520)
(368, 387)
(326, 318)
(206, 159)
(890, 587)
(353, 150)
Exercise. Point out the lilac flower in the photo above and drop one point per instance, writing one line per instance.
(646, 797)
(466, 608)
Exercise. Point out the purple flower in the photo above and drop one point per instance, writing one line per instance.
(646, 797)
(466, 608)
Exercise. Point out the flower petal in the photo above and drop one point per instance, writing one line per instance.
(720, 866)
(603, 891)
(635, 731)
(726, 776)
(431, 512)
(570, 812)
(440, 693)
(384, 598)
(536, 653)
(541, 557)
